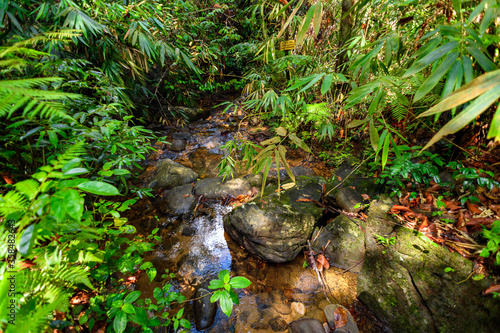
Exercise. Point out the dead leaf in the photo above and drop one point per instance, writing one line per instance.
(365, 196)
(304, 200)
(323, 261)
(340, 317)
(450, 205)
(401, 208)
(460, 220)
(473, 208)
(492, 289)
(486, 221)
(339, 178)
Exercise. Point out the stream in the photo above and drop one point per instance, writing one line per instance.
(195, 246)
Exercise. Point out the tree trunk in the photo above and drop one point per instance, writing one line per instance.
(345, 32)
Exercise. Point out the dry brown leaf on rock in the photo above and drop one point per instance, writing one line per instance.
(340, 317)
(323, 261)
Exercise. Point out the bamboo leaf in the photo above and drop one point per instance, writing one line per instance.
(385, 151)
(327, 83)
(313, 81)
(282, 155)
(299, 143)
(467, 65)
(468, 92)
(318, 13)
(466, 116)
(268, 162)
(305, 24)
(430, 58)
(494, 131)
(271, 141)
(358, 122)
(281, 131)
(481, 58)
(373, 136)
(290, 18)
(436, 76)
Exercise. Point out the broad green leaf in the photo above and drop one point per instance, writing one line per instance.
(239, 282)
(281, 131)
(216, 284)
(185, 323)
(436, 76)
(381, 141)
(327, 83)
(430, 58)
(120, 172)
(179, 313)
(302, 81)
(299, 142)
(477, 107)
(234, 297)
(494, 131)
(128, 308)
(73, 203)
(226, 278)
(27, 240)
(132, 297)
(305, 24)
(120, 322)
(226, 304)
(477, 87)
(98, 188)
(216, 296)
(151, 272)
(374, 138)
(76, 172)
(457, 5)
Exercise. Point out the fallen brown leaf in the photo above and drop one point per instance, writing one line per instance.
(473, 208)
(340, 317)
(495, 288)
(322, 260)
(486, 221)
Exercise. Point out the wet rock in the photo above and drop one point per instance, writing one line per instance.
(298, 308)
(177, 145)
(204, 310)
(350, 326)
(170, 174)
(275, 228)
(406, 287)
(360, 179)
(306, 325)
(204, 162)
(349, 200)
(191, 113)
(184, 136)
(188, 231)
(263, 300)
(282, 308)
(179, 200)
(259, 326)
(278, 324)
(215, 188)
(345, 240)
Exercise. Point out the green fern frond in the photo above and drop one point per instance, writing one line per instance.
(29, 83)
(73, 152)
(399, 111)
(12, 204)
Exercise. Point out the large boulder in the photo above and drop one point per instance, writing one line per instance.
(170, 174)
(276, 227)
(191, 113)
(177, 201)
(344, 243)
(406, 286)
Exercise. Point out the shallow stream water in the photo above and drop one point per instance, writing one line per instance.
(196, 248)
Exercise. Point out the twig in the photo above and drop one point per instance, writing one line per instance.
(356, 264)
(349, 175)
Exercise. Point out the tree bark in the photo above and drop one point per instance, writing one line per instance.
(345, 32)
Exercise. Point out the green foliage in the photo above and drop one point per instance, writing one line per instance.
(225, 293)
(493, 246)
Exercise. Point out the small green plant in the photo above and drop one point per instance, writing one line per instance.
(493, 246)
(448, 270)
(225, 292)
(385, 241)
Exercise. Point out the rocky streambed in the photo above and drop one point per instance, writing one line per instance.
(402, 286)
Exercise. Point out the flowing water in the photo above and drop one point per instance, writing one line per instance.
(196, 248)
